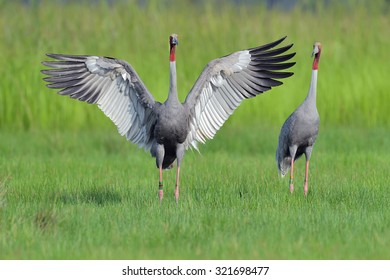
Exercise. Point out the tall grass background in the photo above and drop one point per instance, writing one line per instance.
(353, 87)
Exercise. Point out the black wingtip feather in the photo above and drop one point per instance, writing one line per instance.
(276, 59)
(272, 66)
(269, 45)
(273, 74)
(269, 53)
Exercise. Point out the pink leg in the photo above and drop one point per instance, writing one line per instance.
(177, 185)
(160, 185)
(305, 186)
(292, 176)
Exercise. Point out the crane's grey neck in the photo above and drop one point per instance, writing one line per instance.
(172, 96)
(312, 95)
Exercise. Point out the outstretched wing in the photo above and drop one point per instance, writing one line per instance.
(226, 81)
(113, 85)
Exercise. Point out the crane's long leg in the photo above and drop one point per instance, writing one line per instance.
(308, 151)
(305, 185)
(293, 150)
(177, 184)
(179, 155)
(160, 185)
(292, 176)
(160, 152)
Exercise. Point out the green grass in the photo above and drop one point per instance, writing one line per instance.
(93, 195)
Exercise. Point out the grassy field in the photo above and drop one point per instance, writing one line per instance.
(72, 188)
(92, 195)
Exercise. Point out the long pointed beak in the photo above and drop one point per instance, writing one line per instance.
(315, 51)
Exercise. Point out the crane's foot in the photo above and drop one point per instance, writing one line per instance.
(160, 195)
(305, 188)
(291, 186)
(177, 194)
(160, 191)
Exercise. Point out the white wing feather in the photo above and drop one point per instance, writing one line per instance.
(226, 81)
(111, 84)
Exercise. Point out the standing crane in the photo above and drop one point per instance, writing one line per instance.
(299, 132)
(168, 129)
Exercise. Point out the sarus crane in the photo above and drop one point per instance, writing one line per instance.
(168, 129)
(299, 132)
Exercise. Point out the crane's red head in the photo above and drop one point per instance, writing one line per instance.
(173, 42)
(317, 53)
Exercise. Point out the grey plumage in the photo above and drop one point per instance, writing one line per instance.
(299, 132)
(168, 129)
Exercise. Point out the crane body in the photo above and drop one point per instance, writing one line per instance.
(299, 132)
(168, 129)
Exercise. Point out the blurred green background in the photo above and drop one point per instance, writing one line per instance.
(353, 85)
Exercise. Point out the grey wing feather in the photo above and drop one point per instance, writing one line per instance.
(113, 85)
(228, 80)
